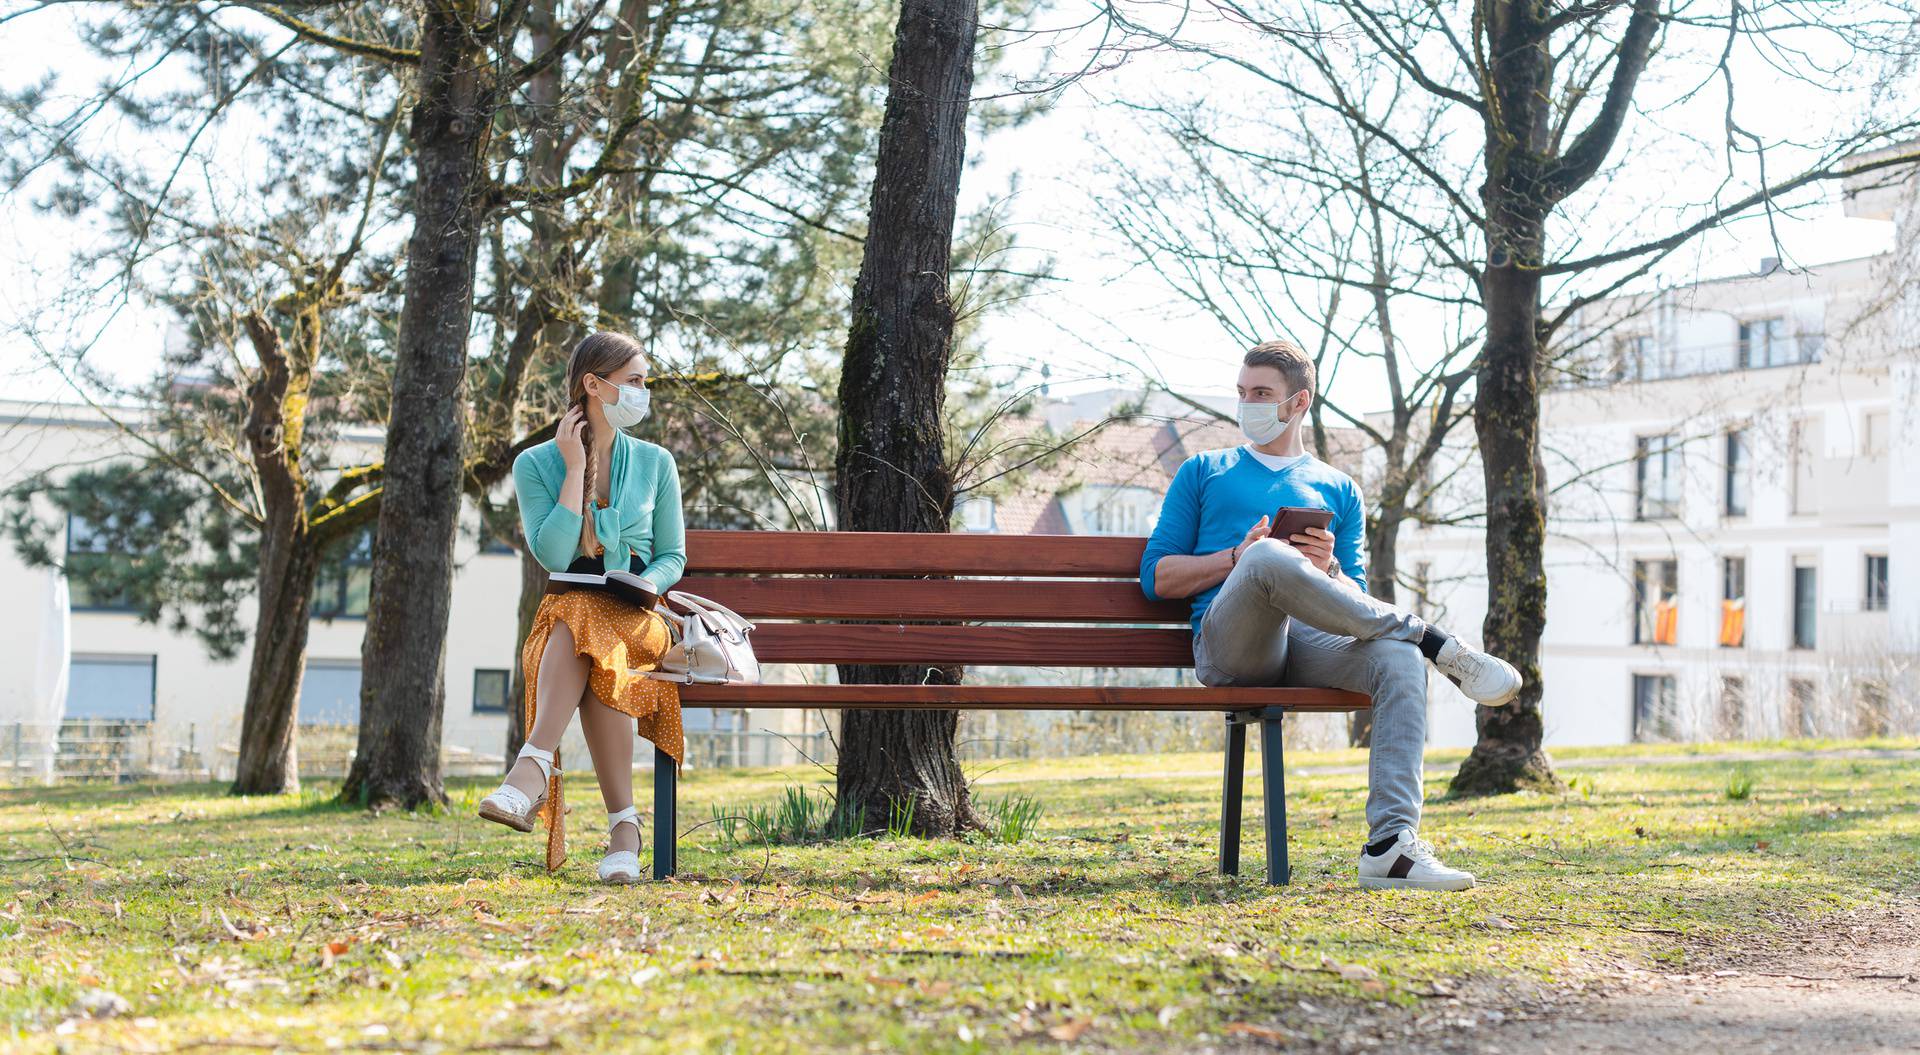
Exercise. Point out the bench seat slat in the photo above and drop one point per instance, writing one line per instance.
(961, 600)
(903, 553)
(1020, 697)
(988, 646)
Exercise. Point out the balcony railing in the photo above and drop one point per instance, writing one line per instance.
(1588, 368)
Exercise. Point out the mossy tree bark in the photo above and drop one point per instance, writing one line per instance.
(276, 417)
(891, 471)
(296, 527)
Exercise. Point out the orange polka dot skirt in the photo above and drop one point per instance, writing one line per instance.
(621, 640)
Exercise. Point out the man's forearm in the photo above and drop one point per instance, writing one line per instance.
(1183, 576)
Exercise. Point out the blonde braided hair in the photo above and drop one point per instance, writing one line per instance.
(597, 353)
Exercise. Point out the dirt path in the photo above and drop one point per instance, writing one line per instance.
(1844, 984)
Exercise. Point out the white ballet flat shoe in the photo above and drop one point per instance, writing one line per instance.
(509, 805)
(621, 866)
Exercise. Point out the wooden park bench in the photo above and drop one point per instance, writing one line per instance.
(1009, 595)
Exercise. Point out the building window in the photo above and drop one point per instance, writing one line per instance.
(1656, 714)
(976, 514)
(111, 688)
(1108, 509)
(1804, 443)
(330, 692)
(1738, 474)
(345, 579)
(1656, 585)
(1656, 462)
(1874, 597)
(1764, 342)
(1733, 602)
(490, 691)
(1805, 593)
(1801, 717)
(1733, 707)
(96, 573)
(1633, 358)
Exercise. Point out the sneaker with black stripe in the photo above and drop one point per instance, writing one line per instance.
(1406, 862)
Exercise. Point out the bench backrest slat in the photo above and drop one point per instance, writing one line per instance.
(1010, 646)
(959, 600)
(897, 553)
(1028, 581)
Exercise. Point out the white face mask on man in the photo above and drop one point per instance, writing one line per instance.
(631, 407)
(1261, 422)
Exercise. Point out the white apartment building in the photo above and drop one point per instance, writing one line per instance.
(144, 698)
(1734, 516)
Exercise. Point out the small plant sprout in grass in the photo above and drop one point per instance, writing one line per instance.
(900, 817)
(1011, 819)
(798, 818)
(1739, 785)
(1584, 785)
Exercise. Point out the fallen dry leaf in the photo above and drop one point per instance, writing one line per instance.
(1071, 1029)
(1248, 1029)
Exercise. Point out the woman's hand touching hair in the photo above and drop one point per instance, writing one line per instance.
(571, 437)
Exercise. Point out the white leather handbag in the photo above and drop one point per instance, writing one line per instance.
(710, 645)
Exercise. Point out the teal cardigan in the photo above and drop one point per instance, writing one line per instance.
(642, 518)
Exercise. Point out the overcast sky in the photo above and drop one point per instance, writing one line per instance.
(1080, 325)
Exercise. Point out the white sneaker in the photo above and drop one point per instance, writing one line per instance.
(1487, 680)
(621, 866)
(1408, 864)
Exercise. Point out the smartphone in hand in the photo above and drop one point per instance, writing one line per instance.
(1295, 520)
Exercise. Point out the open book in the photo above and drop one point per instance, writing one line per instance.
(589, 573)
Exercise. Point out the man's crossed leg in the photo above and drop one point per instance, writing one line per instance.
(1278, 620)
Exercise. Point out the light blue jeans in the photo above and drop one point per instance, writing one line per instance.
(1278, 620)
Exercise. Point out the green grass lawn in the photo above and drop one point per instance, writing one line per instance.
(237, 924)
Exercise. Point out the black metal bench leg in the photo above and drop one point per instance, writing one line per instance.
(1236, 772)
(666, 805)
(1274, 780)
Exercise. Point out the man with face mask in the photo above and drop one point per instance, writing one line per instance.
(1295, 612)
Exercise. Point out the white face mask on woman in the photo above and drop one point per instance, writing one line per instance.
(1261, 422)
(631, 408)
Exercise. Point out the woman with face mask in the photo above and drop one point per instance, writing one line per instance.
(598, 495)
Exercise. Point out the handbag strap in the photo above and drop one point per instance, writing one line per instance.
(707, 606)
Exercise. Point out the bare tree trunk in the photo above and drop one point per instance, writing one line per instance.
(403, 660)
(891, 472)
(1508, 755)
(1518, 196)
(268, 762)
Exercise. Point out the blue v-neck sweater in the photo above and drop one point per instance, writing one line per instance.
(1217, 497)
